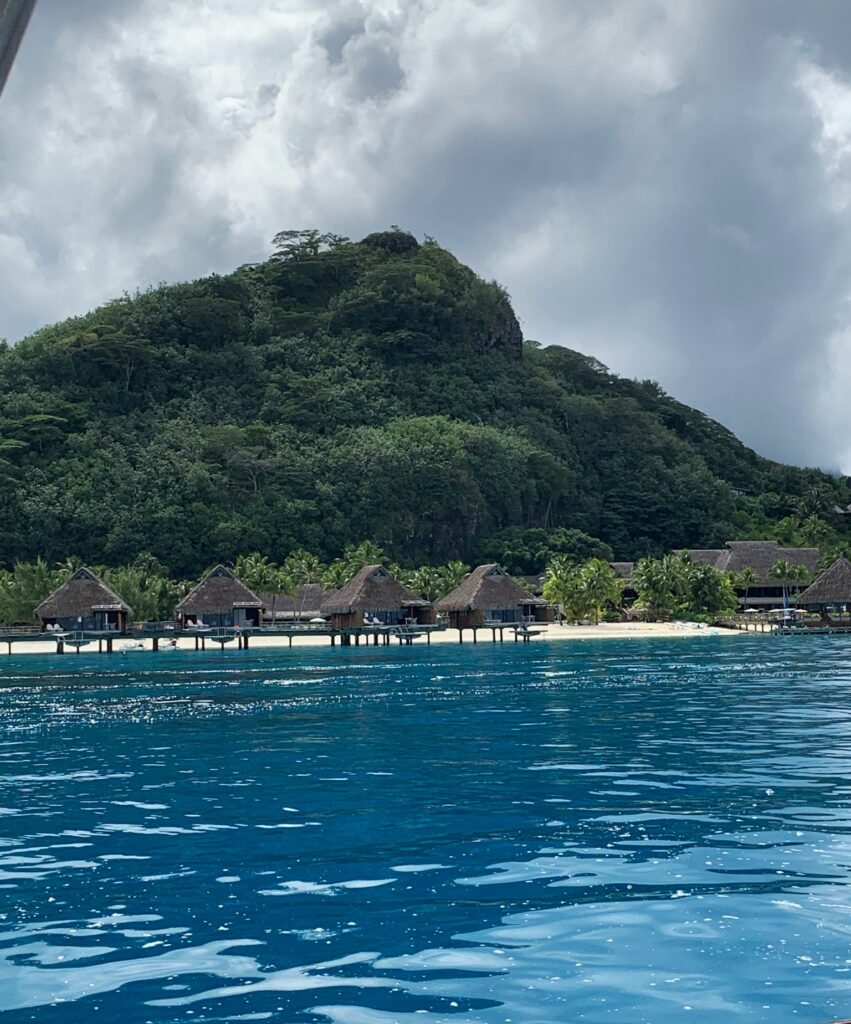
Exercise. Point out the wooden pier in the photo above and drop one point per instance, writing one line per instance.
(163, 638)
(804, 627)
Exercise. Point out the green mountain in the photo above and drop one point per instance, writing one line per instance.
(342, 391)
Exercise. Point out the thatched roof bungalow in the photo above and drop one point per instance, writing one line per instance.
(220, 599)
(490, 596)
(760, 556)
(84, 602)
(373, 597)
(303, 605)
(831, 589)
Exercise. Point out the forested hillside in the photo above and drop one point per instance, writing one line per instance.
(342, 391)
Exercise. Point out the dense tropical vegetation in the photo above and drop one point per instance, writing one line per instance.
(152, 593)
(341, 391)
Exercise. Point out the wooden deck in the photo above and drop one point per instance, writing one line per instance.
(112, 642)
(749, 624)
(161, 635)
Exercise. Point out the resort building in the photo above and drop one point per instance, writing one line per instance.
(832, 589)
(375, 598)
(220, 599)
(759, 556)
(301, 606)
(490, 597)
(84, 602)
(623, 571)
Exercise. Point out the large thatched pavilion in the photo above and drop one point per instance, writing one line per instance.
(374, 597)
(84, 602)
(490, 597)
(832, 589)
(759, 556)
(221, 600)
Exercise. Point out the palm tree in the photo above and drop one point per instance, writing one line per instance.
(365, 553)
(426, 582)
(744, 580)
(251, 568)
(452, 575)
(302, 568)
(9, 447)
(337, 575)
(69, 565)
(559, 583)
(782, 572)
(258, 573)
(799, 574)
(27, 586)
(599, 585)
(813, 502)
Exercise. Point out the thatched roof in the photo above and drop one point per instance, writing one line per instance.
(219, 591)
(486, 587)
(372, 590)
(79, 596)
(833, 586)
(307, 600)
(759, 555)
(623, 570)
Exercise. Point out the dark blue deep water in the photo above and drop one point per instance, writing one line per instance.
(647, 831)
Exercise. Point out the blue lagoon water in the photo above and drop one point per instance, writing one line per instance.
(647, 831)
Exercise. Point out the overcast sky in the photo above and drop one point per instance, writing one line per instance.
(664, 184)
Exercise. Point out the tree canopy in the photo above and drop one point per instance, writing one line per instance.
(346, 390)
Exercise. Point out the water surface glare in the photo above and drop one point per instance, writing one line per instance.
(640, 831)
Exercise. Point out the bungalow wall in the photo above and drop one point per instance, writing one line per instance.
(94, 622)
(471, 619)
(346, 620)
(477, 618)
(539, 612)
(225, 618)
(386, 616)
(422, 616)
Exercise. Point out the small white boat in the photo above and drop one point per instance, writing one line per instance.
(131, 646)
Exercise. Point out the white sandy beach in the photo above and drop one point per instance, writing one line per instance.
(604, 631)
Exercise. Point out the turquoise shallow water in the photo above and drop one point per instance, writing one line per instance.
(645, 831)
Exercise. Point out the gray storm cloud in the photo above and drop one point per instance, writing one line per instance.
(665, 184)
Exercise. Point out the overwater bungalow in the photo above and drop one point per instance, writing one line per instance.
(84, 602)
(490, 597)
(375, 598)
(831, 590)
(301, 606)
(219, 600)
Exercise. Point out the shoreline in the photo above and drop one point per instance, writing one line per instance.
(552, 632)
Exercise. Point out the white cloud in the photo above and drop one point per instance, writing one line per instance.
(661, 183)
